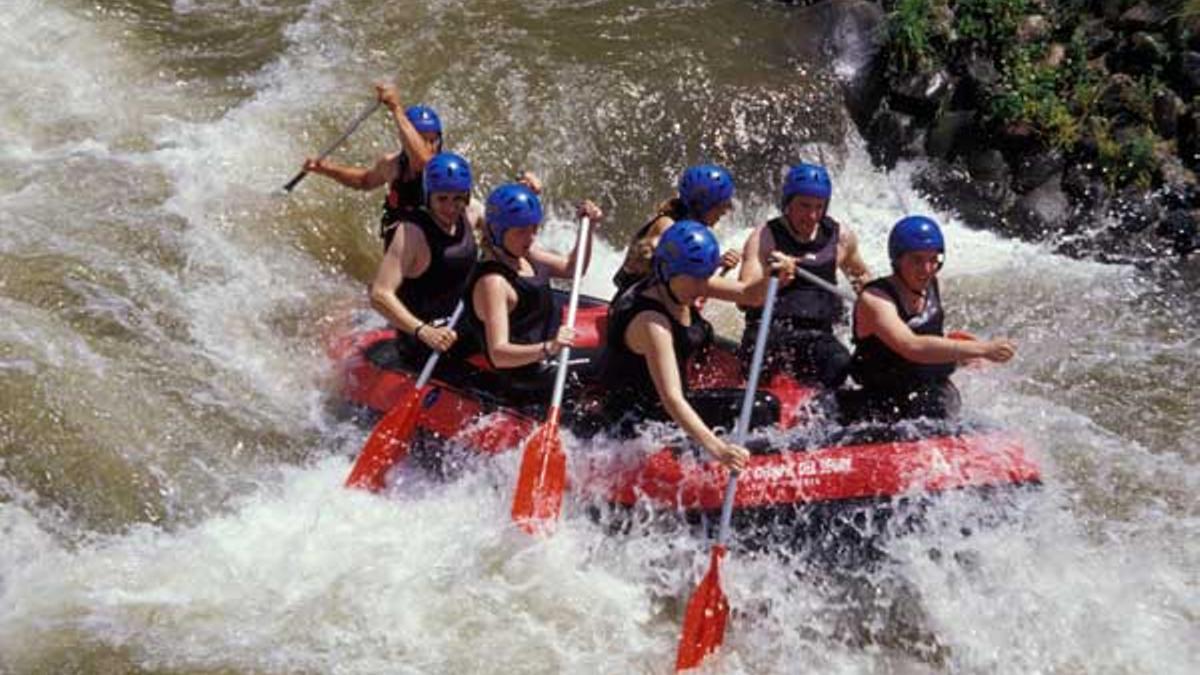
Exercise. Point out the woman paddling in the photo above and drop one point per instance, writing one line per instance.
(654, 328)
(511, 310)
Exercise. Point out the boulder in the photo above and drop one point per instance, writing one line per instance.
(1142, 16)
(1031, 170)
(1168, 108)
(951, 133)
(892, 135)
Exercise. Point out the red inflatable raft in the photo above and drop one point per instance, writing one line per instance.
(464, 411)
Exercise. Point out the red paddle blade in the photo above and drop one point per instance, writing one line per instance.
(387, 445)
(707, 613)
(541, 482)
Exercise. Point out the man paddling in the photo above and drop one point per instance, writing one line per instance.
(420, 133)
(902, 358)
(801, 342)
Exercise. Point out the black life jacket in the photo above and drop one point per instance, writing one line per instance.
(876, 367)
(629, 390)
(403, 196)
(802, 305)
(535, 318)
(434, 294)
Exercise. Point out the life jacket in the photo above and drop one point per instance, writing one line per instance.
(802, 305)
(434, 294)
(535, 318)
(624, 375)
(403, 197)
(877, 368)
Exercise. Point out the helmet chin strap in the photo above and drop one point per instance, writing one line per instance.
(666, 285)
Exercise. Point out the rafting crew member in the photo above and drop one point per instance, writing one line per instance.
(705, 194)
(901, 358)
(424, 272)
(654, 328)
(802, 343)
(420, 132)
(511, 312)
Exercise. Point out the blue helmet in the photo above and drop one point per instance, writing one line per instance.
(424, 119)
(446, 172)
(704, 186)
(509, 206)
(688, 247)
(915, 233)
(810, 180)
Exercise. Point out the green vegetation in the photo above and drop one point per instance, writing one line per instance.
(1045, 80)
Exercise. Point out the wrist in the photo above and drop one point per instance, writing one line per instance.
(546, 349)
(417, 331)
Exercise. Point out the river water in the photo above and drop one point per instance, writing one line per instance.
(171, 449)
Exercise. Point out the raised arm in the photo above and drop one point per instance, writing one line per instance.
(418, 151)
(563, 266)
(649, 334)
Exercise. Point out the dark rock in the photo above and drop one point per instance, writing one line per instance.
(1134, 212)
(980, 203)
(921, 94)
(856, 39)
(1045, 208)
(1168, 108)
(1018, 138)
(977, 84)
(891, 135)
(1188, 139)
(1032, 170)
(1182, 228)
(1084, 189)
(1143, 54)
(1142, 16)
(1118, 96)
(1111, 9)
(1098, 37)
(950, 133)
(1187, 74)
(987, 165)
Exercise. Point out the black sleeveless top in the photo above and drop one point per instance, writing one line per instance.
(403, 195)
(535, 318)
(876, 367)
(802, 305)
(624, 374)
(434, 294)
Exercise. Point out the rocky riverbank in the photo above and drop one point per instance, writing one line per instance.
(1072, 122)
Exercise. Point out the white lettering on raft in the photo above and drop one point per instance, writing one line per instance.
(819, 467)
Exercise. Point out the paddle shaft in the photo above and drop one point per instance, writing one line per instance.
(431, 362)
(743, 424)
(825, 285)
(564, 356)
(333, 146)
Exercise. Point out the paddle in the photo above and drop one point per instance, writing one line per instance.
(333, 146)
(825, 285)
(543, 476)
(388, 442)
(708, 611)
